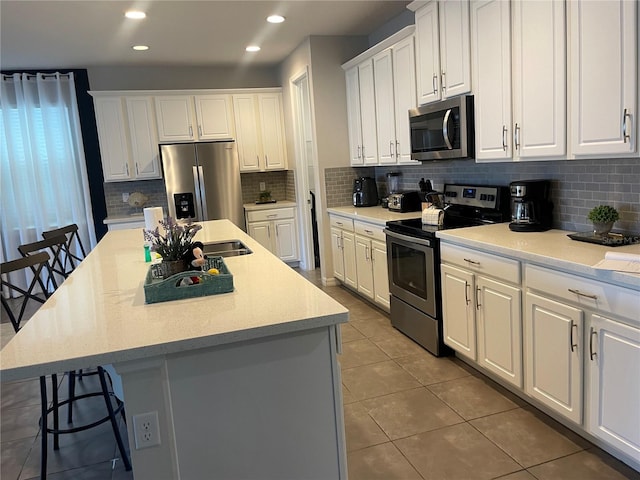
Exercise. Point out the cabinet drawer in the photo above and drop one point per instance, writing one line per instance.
(270, 214)
(504, 268)
(341, 222)
(585, 292)
(368, 230)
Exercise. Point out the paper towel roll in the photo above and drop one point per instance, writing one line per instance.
(153, 215)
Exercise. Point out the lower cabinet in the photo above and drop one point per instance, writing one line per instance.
(482, 315)
(343, 248)
(276, 230)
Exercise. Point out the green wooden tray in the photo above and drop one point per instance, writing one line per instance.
(159, 289)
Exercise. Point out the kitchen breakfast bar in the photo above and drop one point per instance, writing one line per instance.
(246, 384)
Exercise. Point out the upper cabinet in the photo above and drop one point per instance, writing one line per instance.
(194, 117)
(442, 49)
(603, 52)
(260, 131)
(518, 59)
(381, 89)
(128, 137)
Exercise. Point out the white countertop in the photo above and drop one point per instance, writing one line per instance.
(551, 248)
(267, 206)
(98, 315)
(376, 215)
(124, 219)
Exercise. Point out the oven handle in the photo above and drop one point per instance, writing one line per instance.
(407, 238)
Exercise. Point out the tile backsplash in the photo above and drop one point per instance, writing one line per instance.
(576, 185)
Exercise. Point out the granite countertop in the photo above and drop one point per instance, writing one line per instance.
(552, 248)
(98, 315)
(376, 215)
(267, 206)
(123, 219)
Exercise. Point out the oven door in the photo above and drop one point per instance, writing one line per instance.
(412, 270)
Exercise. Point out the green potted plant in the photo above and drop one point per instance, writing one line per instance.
(603, 218)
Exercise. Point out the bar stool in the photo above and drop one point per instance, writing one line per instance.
(55, 246)
(70, 232)
(38, 263)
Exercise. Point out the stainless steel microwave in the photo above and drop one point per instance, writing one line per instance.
(443, 130)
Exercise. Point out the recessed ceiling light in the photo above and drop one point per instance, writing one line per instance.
(252, 48)
(140, 48)
(275, 19)
(135, 14)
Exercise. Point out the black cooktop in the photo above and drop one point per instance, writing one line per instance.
(415, 228)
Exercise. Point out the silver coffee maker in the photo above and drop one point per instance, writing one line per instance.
(530, 206)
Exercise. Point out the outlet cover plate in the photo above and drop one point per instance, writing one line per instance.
(146, 430)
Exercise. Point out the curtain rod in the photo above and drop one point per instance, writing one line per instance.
(29, 76)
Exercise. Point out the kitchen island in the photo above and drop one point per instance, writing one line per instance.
(246, 384)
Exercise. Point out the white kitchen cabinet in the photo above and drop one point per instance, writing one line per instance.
(519, 63)
(554, 346)
(603, 82)
(395, 94)
(128, 138)
(354, 122)
(275, 229)
(361, 111)
(443, 50)
(343, 248)
(371, 263)
(259, 131)
(482, 315)
(613, 367)
(194, 117)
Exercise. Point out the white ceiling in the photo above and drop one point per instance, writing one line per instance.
(80, 34)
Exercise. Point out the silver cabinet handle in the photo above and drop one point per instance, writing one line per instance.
(391, 148)
(443, 85)
(370, 232)
(359, 151)
(339, 223)
(478, 304)
(200, 130)
(190, 131)
(363, 151)
(136, 169)
(571, 341)
(276, 230)
(397, 149)
(592, 333)
(472, 262)
(269, 231)
(273, 215)
(625, 136)
(587, 295)
(445, 129)
(435, 84)
(466, 292)
(266, 160)
(516, 137)
(504, 138)
(126, 168)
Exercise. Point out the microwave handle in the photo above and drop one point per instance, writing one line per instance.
(445, 129)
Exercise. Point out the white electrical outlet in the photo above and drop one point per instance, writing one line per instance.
(146, 430)
(125, 197)
(263, 186)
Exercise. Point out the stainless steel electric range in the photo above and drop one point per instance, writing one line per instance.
(413, 255)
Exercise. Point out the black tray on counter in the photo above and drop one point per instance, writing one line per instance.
(609, 240)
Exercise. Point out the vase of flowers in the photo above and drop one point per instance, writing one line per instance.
(174, 245)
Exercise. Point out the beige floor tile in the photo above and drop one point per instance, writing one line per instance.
(586, 465)
(521, 475)
(19, 422)
(377, 379)
(14, 454)
(526, 437)
(360, 352)
(347, 397)
(349, 334)
(428, 369)
(382, 462)
(372, 326)
(360, 429)
(396, 345)
(455, 453)
(471, 397)
(410, 412)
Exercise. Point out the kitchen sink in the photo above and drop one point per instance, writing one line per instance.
(226, 248)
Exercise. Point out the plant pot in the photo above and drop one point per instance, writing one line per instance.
(602, 228)
(171, 267)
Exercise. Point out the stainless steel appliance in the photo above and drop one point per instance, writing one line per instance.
(531, 209)
(443, 130)
(203, 181)
(413, 256)
(365, 192)
(405, 201)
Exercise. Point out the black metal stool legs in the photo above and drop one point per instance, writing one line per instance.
(112, 417)
(43, 431)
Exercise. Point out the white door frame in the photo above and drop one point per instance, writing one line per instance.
(303, 197)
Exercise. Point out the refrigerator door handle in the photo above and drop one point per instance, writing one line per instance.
(203, 196)
(196, 184)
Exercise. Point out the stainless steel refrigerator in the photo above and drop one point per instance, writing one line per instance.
(203, 181)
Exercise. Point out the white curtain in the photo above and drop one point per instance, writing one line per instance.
(43, 175)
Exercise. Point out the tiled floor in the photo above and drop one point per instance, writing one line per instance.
(408, 415)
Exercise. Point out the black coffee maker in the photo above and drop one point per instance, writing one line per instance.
(365, 192)
(531, 209)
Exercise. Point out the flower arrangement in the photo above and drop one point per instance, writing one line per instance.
(603, 214)
(176, 242)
